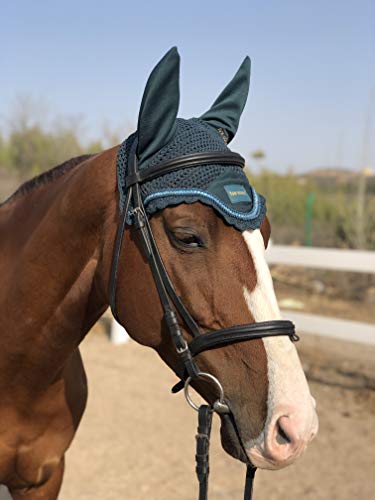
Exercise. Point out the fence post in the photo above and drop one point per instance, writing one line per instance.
(308, 218)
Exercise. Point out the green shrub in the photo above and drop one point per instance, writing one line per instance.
(334, 215)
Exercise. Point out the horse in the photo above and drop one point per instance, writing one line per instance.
(58, 235)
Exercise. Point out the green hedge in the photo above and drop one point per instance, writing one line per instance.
(334, 214)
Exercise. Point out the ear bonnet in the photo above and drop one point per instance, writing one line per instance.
(162, 136)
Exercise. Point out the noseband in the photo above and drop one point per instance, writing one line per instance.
(174, 307)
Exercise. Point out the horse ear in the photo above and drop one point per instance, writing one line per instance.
(159, 107)
(225, 113)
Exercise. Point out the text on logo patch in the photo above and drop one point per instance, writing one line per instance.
(237, 193)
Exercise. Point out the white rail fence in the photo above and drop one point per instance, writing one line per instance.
(316, 258)
(322, 258)
(332, 259)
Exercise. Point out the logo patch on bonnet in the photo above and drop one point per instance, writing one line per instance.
(237, 193)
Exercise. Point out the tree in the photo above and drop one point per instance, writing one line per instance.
(35, 144)
(258, 154)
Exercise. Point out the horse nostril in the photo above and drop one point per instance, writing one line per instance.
(281, 437)
(284, 442)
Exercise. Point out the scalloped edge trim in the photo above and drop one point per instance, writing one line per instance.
(245, 216)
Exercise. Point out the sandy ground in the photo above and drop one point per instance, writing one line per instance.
(136, 440)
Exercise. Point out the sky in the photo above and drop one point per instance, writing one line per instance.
(312, 93)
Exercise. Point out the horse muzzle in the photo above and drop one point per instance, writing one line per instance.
(280, 444)
(283, 441)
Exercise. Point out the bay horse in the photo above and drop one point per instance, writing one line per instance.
(57, 238)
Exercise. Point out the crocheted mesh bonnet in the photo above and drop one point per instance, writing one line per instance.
(161, 136)
(208, 184)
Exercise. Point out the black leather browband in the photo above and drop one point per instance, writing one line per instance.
(192, 160)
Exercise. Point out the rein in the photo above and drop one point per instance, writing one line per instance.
(173, 306)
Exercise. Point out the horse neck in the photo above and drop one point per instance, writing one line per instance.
(53, 269)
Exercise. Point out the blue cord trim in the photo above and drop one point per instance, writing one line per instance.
(254, 212)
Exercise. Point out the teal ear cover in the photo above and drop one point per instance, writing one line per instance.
(225, 113)
(224, 187)
(159, 107)
(163, 137)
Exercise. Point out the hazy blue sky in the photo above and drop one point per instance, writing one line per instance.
(313, 67)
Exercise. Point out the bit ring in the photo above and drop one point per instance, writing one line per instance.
(219, 405)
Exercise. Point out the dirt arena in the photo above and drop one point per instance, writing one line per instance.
(136, 440)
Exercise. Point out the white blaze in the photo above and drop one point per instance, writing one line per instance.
(287, 382)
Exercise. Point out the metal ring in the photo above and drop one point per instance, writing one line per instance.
(219, 406)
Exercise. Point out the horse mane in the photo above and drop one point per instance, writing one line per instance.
(46, 177)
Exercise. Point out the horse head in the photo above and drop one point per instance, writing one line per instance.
(211, 231)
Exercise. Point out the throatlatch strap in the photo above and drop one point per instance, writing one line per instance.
(116, 256)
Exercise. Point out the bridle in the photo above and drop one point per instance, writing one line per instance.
(174, 307)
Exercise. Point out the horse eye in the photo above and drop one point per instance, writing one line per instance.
(188, 239)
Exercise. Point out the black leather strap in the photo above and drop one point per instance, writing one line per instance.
(250, 473)
(202, 455)
(118, 242)
(192, 160)
(241, 333)
(202, 449)
(183, 312)
(116, 256)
